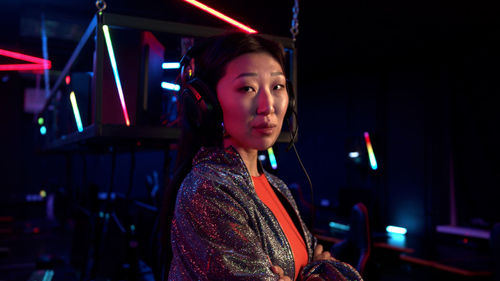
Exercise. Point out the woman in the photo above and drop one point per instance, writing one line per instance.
(232, 219)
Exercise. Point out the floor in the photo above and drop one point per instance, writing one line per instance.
(31, 244)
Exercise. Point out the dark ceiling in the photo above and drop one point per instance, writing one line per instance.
(334, 35)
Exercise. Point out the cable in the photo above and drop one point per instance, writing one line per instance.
(293, 134)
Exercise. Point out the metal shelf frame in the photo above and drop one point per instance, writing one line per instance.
(99, 133)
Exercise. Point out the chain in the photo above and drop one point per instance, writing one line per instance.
(295, 21)
(101, 5)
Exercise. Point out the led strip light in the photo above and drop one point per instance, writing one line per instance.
(221, 16)
(112, 59)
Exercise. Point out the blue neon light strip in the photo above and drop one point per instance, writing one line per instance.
(272, 158)
(339, 226)
(76, 112)
(112, 59)
(170, 86)
(171, 65)
(48, 275)
(395, 229)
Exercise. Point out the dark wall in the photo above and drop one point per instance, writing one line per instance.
(421, 78)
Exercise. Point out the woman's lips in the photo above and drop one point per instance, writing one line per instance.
(265, 128)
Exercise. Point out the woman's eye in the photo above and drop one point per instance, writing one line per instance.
(246, 89)
(279, 87)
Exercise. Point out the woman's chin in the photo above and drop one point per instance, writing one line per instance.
(267, 143)
(259, 143)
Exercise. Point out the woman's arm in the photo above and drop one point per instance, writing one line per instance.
(212, 238)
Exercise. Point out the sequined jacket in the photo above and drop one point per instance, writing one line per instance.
(222, 231)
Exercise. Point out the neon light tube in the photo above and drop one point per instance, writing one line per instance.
(112, 59)
(371, 155)
(29, 66)
(272, 158)
(170, 86)
(171, 65)
(48, 275)
(23, 57)
(221, 16)
(76, 112)
(37, 63)
(339, 226)
(395, 229)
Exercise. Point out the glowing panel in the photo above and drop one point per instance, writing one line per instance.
(76, 112)
(170, 86)
(171, 65)
(36, 63)
(112, 59)
(221, 16)
(371, 155)
(395, 229)
(272, 158)
(353, 154)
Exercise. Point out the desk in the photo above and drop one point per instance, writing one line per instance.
(441, 266)
(440, 253)
(381, 241)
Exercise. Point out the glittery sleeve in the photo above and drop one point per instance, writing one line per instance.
(212, 238)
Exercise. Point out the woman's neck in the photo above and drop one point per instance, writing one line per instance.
(249, 157)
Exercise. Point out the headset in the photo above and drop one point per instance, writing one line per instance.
(201, 102)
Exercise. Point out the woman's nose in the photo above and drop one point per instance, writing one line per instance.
(265, 102)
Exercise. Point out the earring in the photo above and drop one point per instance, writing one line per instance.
(225, 134)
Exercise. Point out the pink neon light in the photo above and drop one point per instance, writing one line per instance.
(31, 66)
(67, 79)
(38, 63)
(21, 56)
(221, 16)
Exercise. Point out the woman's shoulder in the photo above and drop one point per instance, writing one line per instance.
(275, 181)
(212, 180)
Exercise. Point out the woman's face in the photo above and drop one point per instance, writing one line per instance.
(254, 99)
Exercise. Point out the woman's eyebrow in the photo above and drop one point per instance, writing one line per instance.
(253, 74)
(246, 74)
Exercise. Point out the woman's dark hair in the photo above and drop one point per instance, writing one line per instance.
(211, 57)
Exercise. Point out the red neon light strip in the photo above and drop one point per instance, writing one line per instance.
(221, 16)
(30, 66)
(38, 63)
(22, 56)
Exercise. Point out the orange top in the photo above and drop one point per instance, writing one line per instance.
(269, 198)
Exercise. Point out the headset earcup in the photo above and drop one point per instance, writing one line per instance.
(191, 110)
(199, 101)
